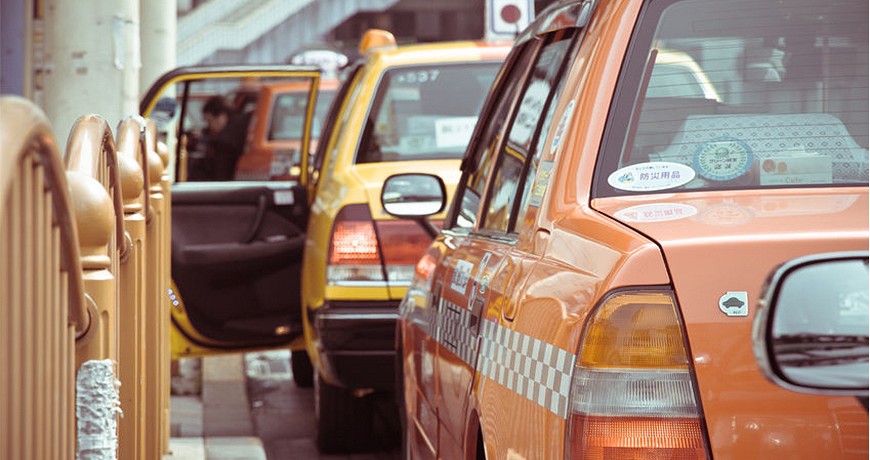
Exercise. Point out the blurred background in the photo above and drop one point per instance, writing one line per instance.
(76, 56)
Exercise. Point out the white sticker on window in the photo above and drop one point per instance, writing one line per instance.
(461, 274)
(560, 128)
(416, 77)
(650, 177)
(539, 186)
(656, 212)
(723, 159)
(529, 112)
(454, 131)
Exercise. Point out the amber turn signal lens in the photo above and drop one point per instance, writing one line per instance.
(635, 330)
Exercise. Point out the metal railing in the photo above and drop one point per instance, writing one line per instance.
(41, 290)
(84, 270)
(94, 183)
(130, 145)
(156, 299)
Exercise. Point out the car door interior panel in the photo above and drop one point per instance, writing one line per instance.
(236, 258)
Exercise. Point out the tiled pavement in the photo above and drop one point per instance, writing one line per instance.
(222, 423)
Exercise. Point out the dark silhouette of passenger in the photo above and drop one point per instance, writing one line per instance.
(224, 138)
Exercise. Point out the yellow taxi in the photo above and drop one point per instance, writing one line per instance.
(402, 109)
(638, 171)
(314, 262)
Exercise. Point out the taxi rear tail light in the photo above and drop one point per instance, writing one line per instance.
(633, 394)
(405, 242)
(354, 251)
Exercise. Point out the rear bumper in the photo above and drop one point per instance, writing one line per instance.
(357, 342)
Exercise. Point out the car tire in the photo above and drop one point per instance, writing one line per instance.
(303, 372)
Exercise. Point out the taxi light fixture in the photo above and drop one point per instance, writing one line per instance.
(632, 394)
(376, 38)
(354, 252)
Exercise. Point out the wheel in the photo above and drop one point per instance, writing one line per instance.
(303, 373)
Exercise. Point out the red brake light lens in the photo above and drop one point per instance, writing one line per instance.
(365, 250)
(354, 243)
(354, 251)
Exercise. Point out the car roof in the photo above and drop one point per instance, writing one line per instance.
(457, 51)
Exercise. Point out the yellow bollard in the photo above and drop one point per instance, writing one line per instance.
(166, 277)
(156, 315)
(133, 287)
(41, 290)
(92, 173)
(94, 184)
(94, 219)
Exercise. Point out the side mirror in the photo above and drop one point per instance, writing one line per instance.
(811, 330)
(164, 111)
(413, 195)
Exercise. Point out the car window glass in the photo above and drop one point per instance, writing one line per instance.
(425, 112)
(218, 114)
(533, 192)
(522, 131)
(470, 190)
(288, 115)
(776, 99)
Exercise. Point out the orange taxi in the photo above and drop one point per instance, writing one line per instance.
(638, 170)
(278, 113)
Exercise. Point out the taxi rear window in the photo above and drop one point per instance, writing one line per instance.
(425, 112)
(733, 94)
(288, 115)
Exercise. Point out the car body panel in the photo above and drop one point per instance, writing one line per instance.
(754, 232)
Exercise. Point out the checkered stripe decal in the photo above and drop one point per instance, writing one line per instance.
(453, 331)
(528, 366)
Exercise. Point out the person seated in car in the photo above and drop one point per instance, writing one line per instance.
(224, 136)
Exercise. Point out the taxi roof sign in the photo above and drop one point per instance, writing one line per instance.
(376, 38)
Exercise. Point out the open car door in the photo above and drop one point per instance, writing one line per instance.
(236, 245)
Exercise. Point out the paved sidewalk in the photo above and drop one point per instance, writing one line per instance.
(215, 425)
(217, 421)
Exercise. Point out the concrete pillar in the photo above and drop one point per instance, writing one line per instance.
(92, 61)
(158, 40)
(14, 28)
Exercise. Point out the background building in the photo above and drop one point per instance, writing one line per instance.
(89, 56)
